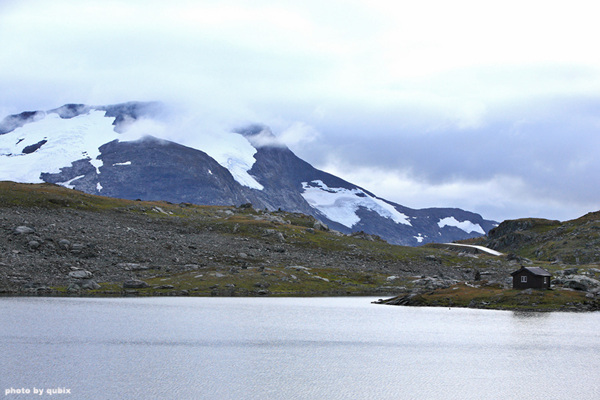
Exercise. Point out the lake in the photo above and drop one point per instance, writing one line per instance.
(290, 348)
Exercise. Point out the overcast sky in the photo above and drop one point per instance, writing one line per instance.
(493, 107)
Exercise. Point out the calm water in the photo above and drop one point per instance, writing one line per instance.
(292, 348)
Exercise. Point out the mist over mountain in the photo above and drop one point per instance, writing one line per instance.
(114, 151)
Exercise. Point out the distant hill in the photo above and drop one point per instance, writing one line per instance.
(571, 242)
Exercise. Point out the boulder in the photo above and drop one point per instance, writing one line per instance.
(134, 284)
(319, 226)
(132, 266)
(23, 230)
(581, 282)
(89, 284)
(570, 271)
(78, 284)
(164, 287)
(80, 274)
(77, 247)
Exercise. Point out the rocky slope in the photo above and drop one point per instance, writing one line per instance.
(572, 242)
(57, 241)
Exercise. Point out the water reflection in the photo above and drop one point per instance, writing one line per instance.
(529, 315)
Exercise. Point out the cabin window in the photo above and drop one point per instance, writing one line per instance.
(545, 281)
(524, 279)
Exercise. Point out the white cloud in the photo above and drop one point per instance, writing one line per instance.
(299, 133)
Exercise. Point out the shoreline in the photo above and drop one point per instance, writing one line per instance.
(553, 300)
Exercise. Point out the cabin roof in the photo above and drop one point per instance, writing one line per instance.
(534, 270)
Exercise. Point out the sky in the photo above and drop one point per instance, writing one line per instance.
(492, 107)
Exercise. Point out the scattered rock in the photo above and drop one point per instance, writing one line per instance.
(164, 287)
(77, 248)
(319, 226)
(274, 233)
(298, 268)
(432, 283)
(366, 236)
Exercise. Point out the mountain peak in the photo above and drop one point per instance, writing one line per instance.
(260, 135)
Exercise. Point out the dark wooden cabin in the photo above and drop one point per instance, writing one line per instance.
(531, 278)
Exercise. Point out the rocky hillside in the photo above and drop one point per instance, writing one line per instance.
(571, 242)
(57, 241)
(61, 240)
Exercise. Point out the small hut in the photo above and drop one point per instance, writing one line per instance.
(531, 278)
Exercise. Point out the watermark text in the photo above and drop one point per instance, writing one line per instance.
(35, 391)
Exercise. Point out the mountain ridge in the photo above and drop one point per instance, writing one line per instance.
(101, 155)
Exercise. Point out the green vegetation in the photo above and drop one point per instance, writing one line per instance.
(495, 297)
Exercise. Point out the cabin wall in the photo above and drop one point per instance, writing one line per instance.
(533, 281)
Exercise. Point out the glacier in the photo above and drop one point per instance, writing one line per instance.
(340, 204)
(466, 226)
(67, 140)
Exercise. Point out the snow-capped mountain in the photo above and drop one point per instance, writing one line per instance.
(106, 150)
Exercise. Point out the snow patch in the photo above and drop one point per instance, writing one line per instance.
(99, 187)
(67, 141)
(239, 169)
(466, 226)
(122, 163)
(420, 238)
(482, 248)
(97, 163)
(234, 152)
(340, 205)
(69, 183)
